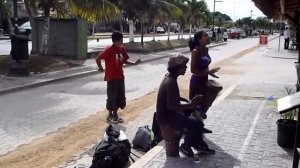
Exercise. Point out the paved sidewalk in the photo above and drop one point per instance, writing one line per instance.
(243, 120)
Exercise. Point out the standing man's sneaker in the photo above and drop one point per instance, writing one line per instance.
(118, 119)
(111, 119)
(185, 150)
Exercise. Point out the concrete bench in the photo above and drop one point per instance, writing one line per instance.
(148, 156)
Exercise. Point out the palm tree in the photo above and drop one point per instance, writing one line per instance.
(198, 12)
(183, 19)
(160, 11)
(149, 11)
(175, 12)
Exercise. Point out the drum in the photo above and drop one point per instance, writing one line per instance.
(212, 90)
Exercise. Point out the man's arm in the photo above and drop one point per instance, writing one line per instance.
(98, 62)
(191, 104)
(173, 98)
(125, 55)
(133, 63)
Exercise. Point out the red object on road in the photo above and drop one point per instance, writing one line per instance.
(263, 40)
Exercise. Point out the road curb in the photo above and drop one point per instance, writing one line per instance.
(73, 76)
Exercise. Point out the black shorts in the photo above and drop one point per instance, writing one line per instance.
(115, 95)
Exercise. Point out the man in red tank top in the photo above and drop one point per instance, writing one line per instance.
(114, 57)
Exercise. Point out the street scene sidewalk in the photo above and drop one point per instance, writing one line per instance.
(243, 120)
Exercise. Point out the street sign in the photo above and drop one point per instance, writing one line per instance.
(263, 41)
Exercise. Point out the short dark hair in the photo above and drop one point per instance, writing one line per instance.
(116, 36)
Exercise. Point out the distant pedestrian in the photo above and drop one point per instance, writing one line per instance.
(114, 56)
(219, 35)
(287, 35)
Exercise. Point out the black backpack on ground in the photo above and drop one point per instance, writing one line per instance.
(111, 153)
(143, 139)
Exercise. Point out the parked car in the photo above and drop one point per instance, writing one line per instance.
(160, 30)
(233, 33)
(25, 28)
(242, 33)
(225, 34)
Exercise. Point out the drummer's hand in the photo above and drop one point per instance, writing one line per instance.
(213, 75)
(214, 70)
(197, 100)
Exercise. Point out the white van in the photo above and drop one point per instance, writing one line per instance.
(224, 33)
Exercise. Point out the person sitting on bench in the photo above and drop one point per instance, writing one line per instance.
(170, 112)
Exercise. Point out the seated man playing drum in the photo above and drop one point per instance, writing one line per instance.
(170, 112)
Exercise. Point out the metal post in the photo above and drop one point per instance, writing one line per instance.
(214, 17)
(296, 154)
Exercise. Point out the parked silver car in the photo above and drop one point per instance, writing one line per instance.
(242, 33)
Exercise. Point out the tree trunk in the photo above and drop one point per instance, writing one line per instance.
(121, 26)
(178, 31)
(142, 33)
(131, 38)
(32, 24)
(93, 34)
(10, 26)
(181, 34)
(45, 37)
(190, 32)
(169, 23)
(154, 33)
(45, 34)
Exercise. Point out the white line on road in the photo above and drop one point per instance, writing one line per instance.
(224, 95)
(250, 133)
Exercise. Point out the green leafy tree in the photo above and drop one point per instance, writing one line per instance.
(198, 14)
(221, 19)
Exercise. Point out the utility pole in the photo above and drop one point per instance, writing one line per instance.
(214, 35)
(251, 14)
(233, 12)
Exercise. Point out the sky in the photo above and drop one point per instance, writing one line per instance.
(236, 9)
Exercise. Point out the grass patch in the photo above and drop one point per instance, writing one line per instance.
(38, 64)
